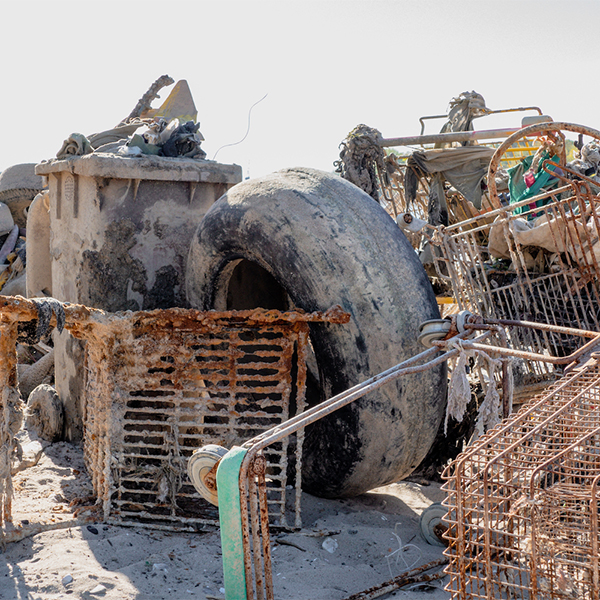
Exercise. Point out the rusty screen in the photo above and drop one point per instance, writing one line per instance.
(157, 389)
(523, 501)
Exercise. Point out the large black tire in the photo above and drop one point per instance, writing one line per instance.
(307, 239)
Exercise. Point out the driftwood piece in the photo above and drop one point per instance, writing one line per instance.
(146, 100)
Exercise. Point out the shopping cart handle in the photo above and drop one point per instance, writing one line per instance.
(230, 520)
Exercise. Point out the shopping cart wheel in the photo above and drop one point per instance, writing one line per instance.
(432, 524)
(202, 473)
(306, 239)
(433, 331)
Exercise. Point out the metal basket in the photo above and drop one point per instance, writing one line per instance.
(159, 385)
(557, 284)
(523, 500)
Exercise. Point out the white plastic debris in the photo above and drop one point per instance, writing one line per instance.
(330, 544)
(156, 567)
(409, 222)
(67, 579)
(99, 589)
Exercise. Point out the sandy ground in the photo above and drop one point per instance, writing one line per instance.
(372, 538)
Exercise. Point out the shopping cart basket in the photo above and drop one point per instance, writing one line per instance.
(535, 260)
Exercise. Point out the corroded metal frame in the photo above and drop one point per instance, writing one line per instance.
(255, 525)
(114, 350)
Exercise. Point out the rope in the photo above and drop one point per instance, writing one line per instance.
(459, 390)
(361, 157)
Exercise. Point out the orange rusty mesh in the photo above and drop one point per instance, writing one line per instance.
(160, 384)
(523, 500)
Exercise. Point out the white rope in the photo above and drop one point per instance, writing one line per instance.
(459, 390)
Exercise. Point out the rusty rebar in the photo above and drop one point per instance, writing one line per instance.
(409, 577)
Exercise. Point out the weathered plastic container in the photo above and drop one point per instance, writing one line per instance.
(120, 230)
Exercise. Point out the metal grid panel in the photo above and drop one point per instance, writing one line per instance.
(560, 288)
(171, 389)
(522, 502)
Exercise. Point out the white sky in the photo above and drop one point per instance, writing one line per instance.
(326, 67)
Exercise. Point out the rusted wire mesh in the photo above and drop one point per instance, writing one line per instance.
(174, 384)
(523, 500)
(159, 385)
(536, 260)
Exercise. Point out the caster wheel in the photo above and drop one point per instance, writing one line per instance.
(432, 524)
(200, 465)
(434, 330)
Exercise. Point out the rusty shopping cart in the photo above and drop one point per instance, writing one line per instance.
(523, 501)
(536, 260)
(241, 477)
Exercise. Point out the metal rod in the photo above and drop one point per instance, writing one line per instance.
(443, 138)
(553, 360)
(412, 576)
(264, 527)
(256, 545)
(541, 326)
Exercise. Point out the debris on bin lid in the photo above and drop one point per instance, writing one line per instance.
(75, 145)
(170, 130)
(185, 141)
(119, 133)
(139, 142)
(179, 104)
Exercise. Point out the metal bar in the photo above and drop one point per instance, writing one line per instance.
(256, 545)
(443, 138)
(485, 114)
(553, 360)
(412, 576)
(541, 326)
(264, 526)
(246, 549)
(594, 558)
(17, 308)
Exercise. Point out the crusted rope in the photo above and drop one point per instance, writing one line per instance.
(11, 417)
(459, 390)
(361, 156)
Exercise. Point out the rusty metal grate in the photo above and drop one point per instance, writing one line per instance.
(161, 384)
(178, 382)
(523, 500)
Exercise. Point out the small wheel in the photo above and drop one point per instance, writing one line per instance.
(432, 524)
(434, 330)
(461, 320)
(200, 464)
